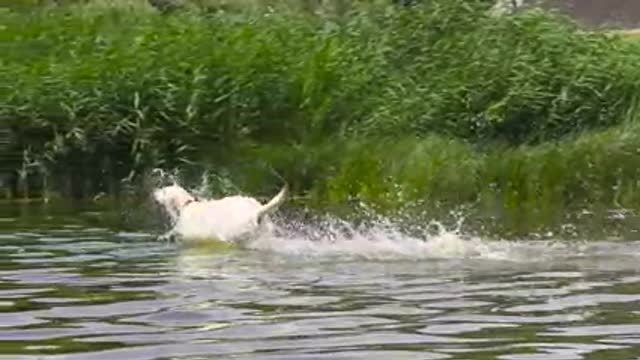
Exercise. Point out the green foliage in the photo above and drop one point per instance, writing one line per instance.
(512, 191)
(440, 103)
(526, 78)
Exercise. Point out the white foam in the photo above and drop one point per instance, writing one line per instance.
(380, 241)
(385, 239)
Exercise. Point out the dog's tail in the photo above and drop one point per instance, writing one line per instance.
(274, 203)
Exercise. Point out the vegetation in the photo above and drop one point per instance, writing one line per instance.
(523, 118)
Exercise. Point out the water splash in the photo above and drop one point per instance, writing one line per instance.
(385, 238)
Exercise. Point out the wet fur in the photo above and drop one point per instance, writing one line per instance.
(231, 219)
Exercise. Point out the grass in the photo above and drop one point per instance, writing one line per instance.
(523, 119)
(569, 187)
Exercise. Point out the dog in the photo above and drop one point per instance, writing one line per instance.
(230, 219)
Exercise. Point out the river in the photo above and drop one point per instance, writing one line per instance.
(74, 286)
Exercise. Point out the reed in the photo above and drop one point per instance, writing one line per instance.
(440, 103)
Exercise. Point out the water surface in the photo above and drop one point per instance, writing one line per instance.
(74, 287)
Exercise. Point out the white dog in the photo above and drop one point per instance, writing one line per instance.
(231, 219)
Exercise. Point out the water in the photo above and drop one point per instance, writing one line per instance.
(75, 286)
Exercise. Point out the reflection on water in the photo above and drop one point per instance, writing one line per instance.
(71, 289)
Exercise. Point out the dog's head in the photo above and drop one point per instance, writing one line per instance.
(173, 199)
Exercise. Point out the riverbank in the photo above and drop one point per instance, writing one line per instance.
(523, 121)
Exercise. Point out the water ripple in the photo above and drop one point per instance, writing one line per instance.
(75, 293)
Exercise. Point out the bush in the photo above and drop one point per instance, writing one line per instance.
(390, 104)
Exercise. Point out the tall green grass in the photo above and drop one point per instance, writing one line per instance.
(569, 188)
(525, 118)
